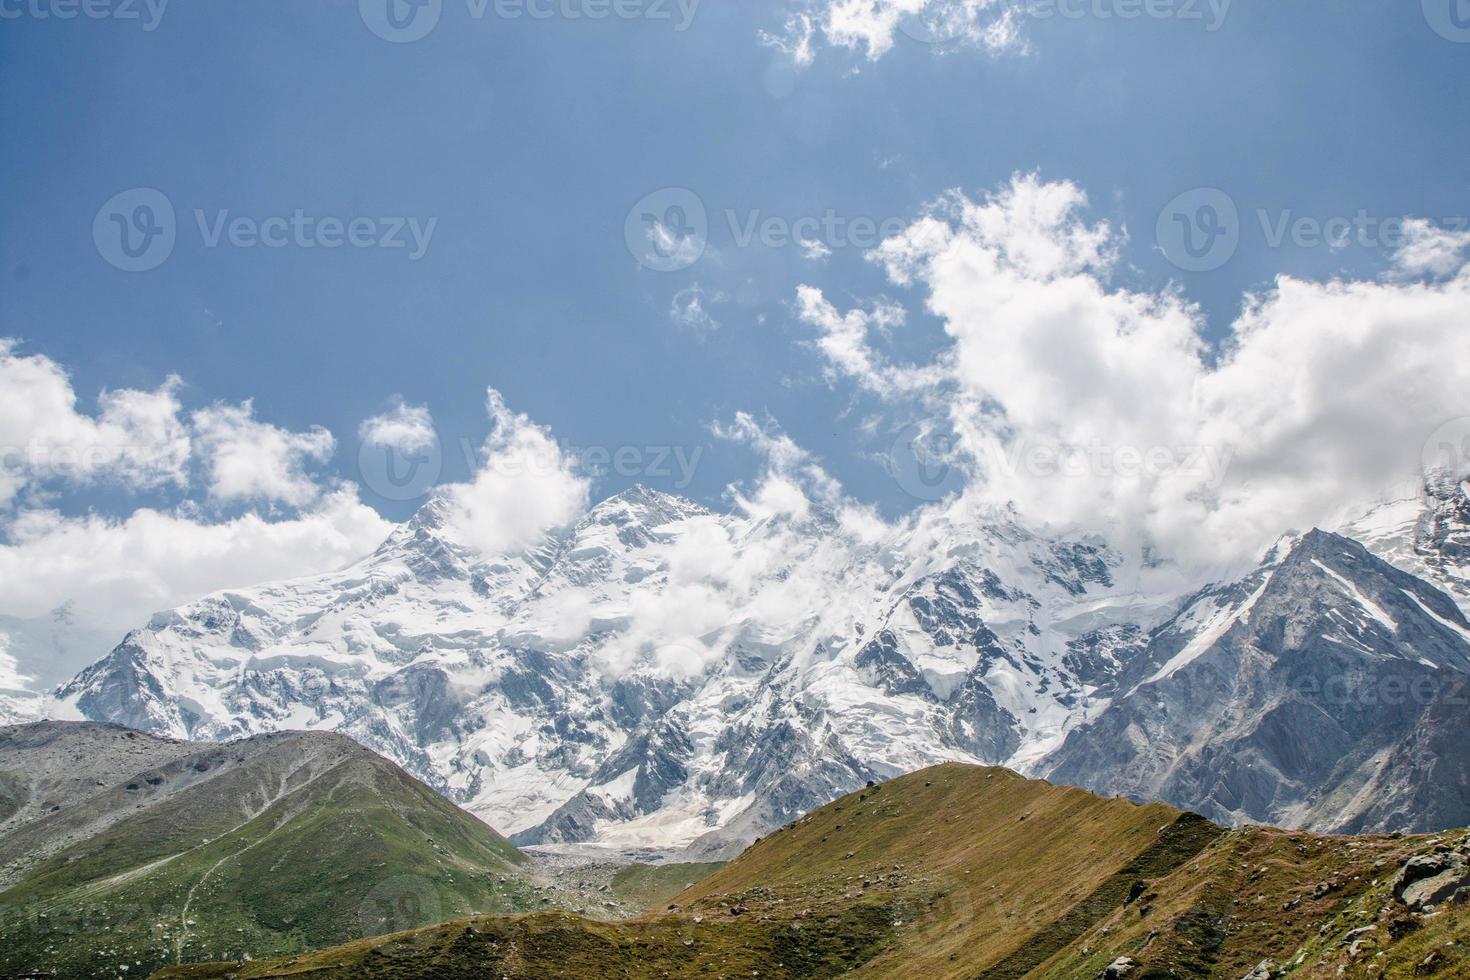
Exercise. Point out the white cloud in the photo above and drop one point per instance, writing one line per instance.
(796, 39)
(406, 428)
(249, 460)
(1090, 405)
(815, 250)
(117, 572)
(689, 309)
(11, 679)
(136, 439)
(872, 27)
(524, 487)
(1427, 249)
(844, 343)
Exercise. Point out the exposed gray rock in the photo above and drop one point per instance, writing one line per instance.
(1326, 690)
(1429, 879)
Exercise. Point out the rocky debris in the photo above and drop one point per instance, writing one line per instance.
(1428, 879)
(1123, 966)
(1265, 970)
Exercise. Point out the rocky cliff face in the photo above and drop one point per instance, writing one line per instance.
(1315, 692)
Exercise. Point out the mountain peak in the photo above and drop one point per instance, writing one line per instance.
(645, 505)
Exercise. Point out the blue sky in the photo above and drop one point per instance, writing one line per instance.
(528, 140)
(517, 146)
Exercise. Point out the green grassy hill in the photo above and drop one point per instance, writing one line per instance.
(960, 871)
(268, 846)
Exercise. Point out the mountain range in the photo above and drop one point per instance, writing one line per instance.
(658, 676)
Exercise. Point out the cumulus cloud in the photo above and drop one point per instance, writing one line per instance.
(136, 439)
(406, 428)
(1086, 404)
(872, 27)
(116, 572)
(250, 460)
(524, 486)
(844, 341)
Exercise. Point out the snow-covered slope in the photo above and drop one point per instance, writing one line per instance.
(1427, 536)
(657, 675)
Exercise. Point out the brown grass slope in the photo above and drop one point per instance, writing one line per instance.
(960, 871)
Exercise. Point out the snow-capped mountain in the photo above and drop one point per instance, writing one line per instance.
(658, 675)
(1325, 689)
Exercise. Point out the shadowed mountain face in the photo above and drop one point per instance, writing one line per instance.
(121, 849)
(1320, 691)
(961, 871)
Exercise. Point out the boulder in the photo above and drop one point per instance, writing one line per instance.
(1429, 879)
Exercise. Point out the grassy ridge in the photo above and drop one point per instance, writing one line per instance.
(967, 872)
(350, 846)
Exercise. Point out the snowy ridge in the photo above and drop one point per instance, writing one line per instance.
(661, 676)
